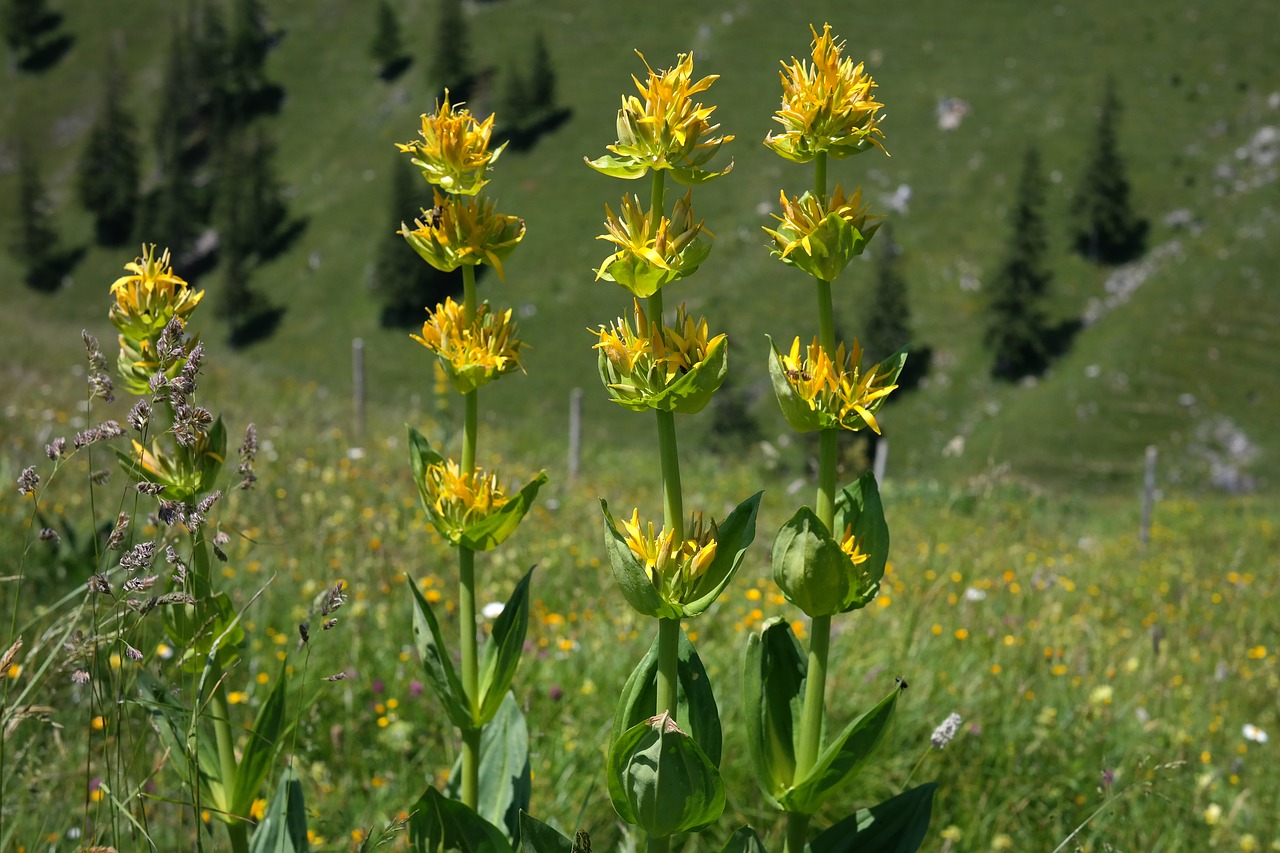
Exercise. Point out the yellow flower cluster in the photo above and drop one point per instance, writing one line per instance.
(673, 567)
(827, 105)
(459, 231)
(454, 152)
(838, 387)
(461, 499)
(671, 368)
(472, 353)
(150, 296)
(651, 255)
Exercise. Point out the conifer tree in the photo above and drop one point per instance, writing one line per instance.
(34, 241)
(515, 106)
(248, 214)
(109, 170)
(1017, 323)
(176, 208)
(402, 281)
(542, 78)
(387, 48)
(888, 317)
(450, 66)
(1105, 228)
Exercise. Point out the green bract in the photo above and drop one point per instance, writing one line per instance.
(661, 781)
(645, 594)
(188, 473)
(824, 249)
(811, 569)
(645, 277)
(823, 410)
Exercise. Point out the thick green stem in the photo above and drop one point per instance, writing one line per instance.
(470, 673)
(668, 665)
(471, 399)
(820, 175)
(220, 711)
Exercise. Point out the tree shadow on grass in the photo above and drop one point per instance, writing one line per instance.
(257, 326)
(525, 137)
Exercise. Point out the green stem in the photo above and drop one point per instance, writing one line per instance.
(657, 199)
(668, 665)
(471, 399)
(820, 176)
(220, 710)
(470, 673)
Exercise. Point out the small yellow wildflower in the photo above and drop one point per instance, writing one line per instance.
(664, 129)
(258, 810)
(827, 105)
(454, 152)
(473, 352)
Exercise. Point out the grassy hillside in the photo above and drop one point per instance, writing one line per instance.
(1184, 362)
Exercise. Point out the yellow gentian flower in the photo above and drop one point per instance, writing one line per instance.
(827, 105)
(819, 392)
(650, 257)
(472, 353)
(463, 232)
(821, 236)
(673, 567)
(454, 152)
(664, 129)
(150, 296)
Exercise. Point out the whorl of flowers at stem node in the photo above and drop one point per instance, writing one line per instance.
(827, 105)
(819, 392)
(460, 232)
(151, 295)
(664, 129)
(458, 500)
(454, 152)
(668, 368)
(821, 236)
(472, 354)
(649, 258)
(673, 567)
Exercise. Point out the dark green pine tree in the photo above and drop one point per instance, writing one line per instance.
(387, 48)
(515, 107)
(404, 283)
(1017, 322)
(109, 170)
(542, 78)
(1105, 228)
(246, 61)
(450, 66)
(176, 207)
(888, 317)
(35, 242)
(23, 22)
(244, 215)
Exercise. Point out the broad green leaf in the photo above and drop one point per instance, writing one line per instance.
(437, 824)
(734, 535)
(897, 825)
(616, 166)
(421, 457)
(661, 781)
(811, 570)
(265, 740)
(173, 722)
(436, 663)
(538, 837)
(858, 506)
(505, 782)
(502, 651)
(284, 827)
(695, 703)
(490, 532)
(630, 574)
(744, 840)
(773, 679)
(842, 758)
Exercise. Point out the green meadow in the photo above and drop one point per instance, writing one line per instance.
(1116, 694)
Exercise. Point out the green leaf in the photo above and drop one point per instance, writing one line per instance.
(799, 414)
(436, 663)
(744, 840)
(502, 652)
(615, 166)
(538, 837)
(897, 825)
(421, 457)
(630, 574)
(505, 782)
(439, 824)
(773, 679)
(265, 740)
(809, 567)
(661, 781)
(284, 827)
(842, 758)
(858, 506)
(490, 532)
(173, 722)
(733, 536)
(194, 628)
(209, 464)
(695, 702)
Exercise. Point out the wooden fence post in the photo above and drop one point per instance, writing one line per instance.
(1148, 494)
(575, 431)
(357, 388)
